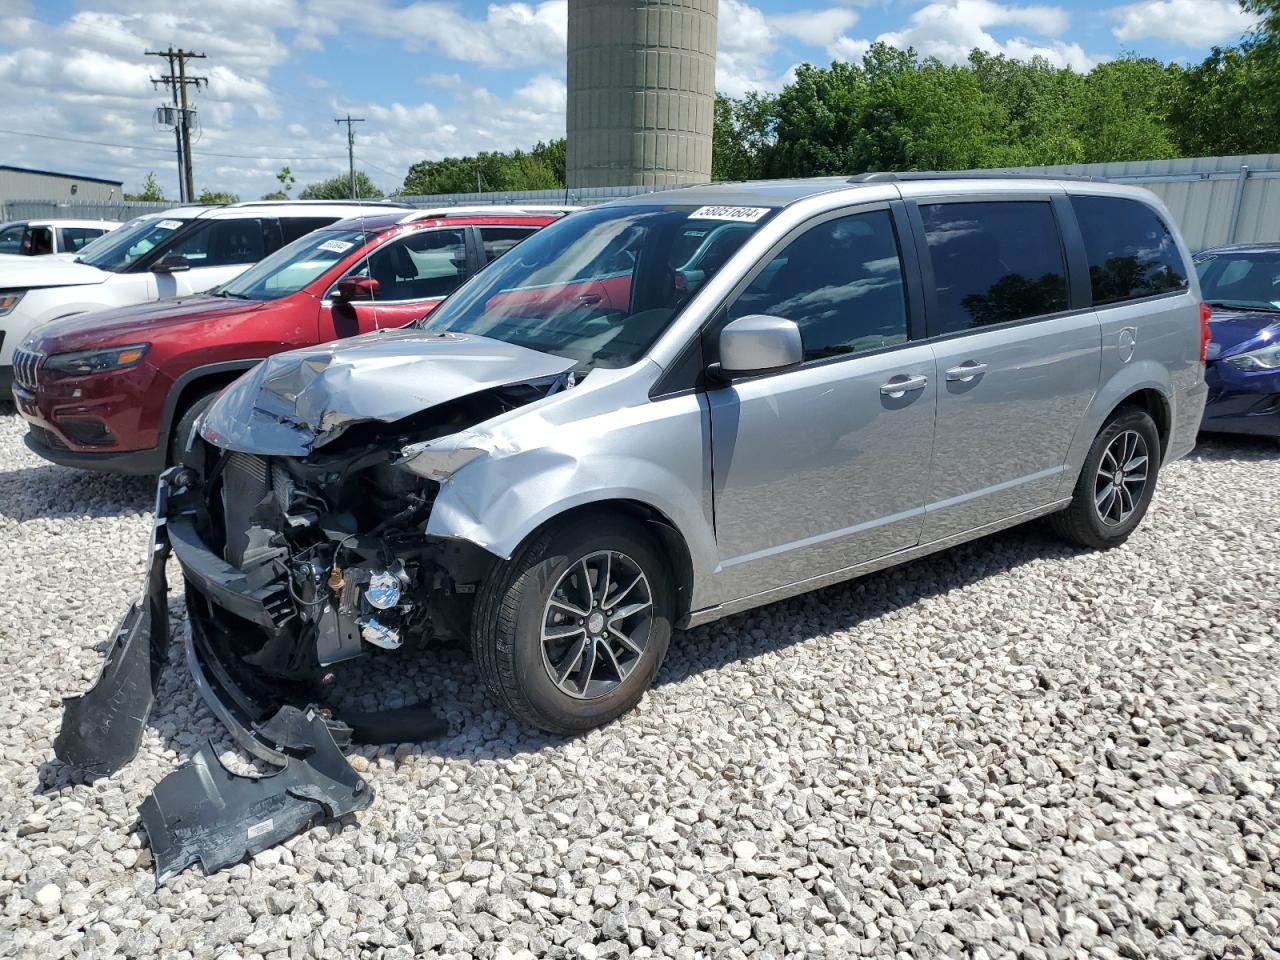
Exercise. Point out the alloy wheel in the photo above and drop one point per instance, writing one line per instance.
(1121, 478)
(596, 624)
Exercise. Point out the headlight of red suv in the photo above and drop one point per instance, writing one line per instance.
(96, 361)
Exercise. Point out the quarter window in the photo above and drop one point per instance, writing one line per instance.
(1131, 252)
(993, 262)
(841, 282)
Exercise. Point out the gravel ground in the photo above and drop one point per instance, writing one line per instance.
(1010, 749)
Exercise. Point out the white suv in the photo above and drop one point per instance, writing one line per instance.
(181, 251)
(36, 238)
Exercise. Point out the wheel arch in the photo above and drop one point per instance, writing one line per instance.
(196, 381)
(653, 520)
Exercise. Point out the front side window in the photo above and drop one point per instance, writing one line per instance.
(123, 246)
(598, 287)
(1131, 252)
(224, 243)
(421, 266)
(993, 261)
(38, 241)
(291, 268)
(840, 282)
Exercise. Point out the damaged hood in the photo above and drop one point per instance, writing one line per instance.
(295, 402)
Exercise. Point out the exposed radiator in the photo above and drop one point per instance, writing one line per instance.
(246, 481)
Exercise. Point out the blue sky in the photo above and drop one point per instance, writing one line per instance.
(434, 78)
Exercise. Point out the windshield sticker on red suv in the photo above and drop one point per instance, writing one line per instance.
(740, 214)
(335, 246)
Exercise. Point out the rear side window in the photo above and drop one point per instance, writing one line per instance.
(73, 238)
(1131, 252)
(841, 282)
(292, 228)
(993, 261)
(498, 240)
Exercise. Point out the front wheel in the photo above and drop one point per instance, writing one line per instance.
(1116, 483)
(569, 633)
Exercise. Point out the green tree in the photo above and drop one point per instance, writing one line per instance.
(339, 188)
(151, 190)
(741, 136)
(217, 196)
(287, 180)
(540, 168)
(1123, 110)
(1039, 103)
(1230, 102)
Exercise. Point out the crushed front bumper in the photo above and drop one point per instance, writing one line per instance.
(203, 811)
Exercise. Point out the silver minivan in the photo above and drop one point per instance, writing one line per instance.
(593, 443)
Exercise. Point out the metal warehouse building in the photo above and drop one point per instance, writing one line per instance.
(19, 183)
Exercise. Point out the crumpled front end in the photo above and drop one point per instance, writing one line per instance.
(293, 562)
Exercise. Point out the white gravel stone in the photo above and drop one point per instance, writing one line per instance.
(1012, 749)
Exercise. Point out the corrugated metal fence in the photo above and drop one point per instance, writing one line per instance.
(1214, 199)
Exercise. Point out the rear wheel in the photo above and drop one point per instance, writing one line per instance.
(1116, 485)
(570, 632)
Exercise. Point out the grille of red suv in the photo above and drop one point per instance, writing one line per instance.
(25, 365)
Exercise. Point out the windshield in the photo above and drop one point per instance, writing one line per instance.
(119, 248)
(1247, 279)
(294, 266)
(600, 286)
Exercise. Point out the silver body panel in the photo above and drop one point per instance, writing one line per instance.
(797, 478)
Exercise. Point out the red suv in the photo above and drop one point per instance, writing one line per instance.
(119, 390)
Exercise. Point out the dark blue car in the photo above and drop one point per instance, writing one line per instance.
(1242, 286)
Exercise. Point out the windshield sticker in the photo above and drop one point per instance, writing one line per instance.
(168, 224)
(740, 214)
(335, 246)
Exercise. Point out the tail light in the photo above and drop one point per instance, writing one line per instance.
(1205, 333)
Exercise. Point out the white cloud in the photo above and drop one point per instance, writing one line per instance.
(950, 29)
(1197, 23)
(815, 27)
(747, 39)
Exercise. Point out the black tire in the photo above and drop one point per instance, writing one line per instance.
(181, 429)
(1083, 522)
(512, 607)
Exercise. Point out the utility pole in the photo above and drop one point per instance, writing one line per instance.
(178, 81)
(351, 148)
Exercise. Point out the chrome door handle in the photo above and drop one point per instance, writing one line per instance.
(966, 371)
(897, 388)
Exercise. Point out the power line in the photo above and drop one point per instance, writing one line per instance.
(351, 148)
(135, 146)
(178, 81)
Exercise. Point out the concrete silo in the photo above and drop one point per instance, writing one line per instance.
(642, 79)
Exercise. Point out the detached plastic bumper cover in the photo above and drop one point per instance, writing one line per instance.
(206, 813)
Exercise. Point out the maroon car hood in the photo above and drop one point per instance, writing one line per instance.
(128, 324)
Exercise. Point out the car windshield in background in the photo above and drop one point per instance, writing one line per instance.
(1249, 279)
(601, 285)
(121, 247)
(292, 267)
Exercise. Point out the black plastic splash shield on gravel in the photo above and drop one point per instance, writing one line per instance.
(102, 728)
(207, 813)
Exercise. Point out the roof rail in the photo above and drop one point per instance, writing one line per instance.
(888, 176)
(494, 210)
(393, 204)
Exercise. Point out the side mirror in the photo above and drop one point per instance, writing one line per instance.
(356, 288)
(171, 263)
(757, 344)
